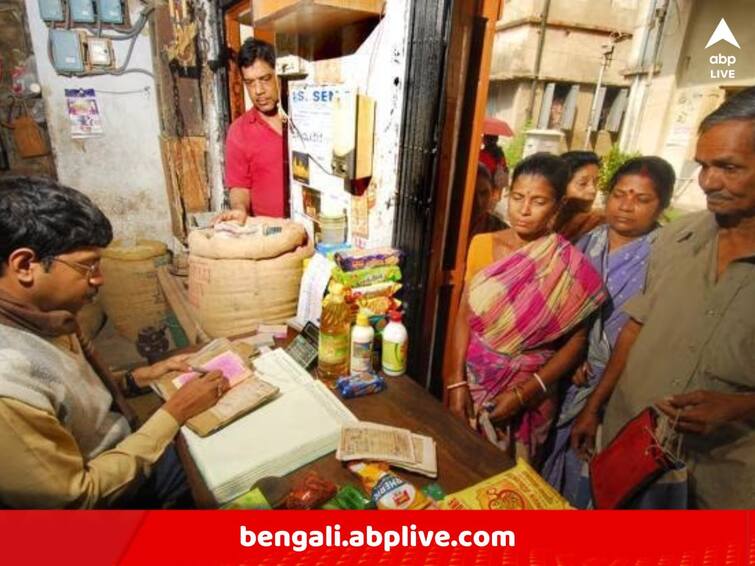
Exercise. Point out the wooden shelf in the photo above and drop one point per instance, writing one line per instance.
(312, 16)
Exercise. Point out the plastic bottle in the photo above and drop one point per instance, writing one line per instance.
(335, 324)
(395, 344)
(362, 336)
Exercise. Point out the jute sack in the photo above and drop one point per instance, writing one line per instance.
(206, 243)
(237, 282)
(131, 295)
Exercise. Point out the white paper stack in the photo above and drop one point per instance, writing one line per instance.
(301, 425)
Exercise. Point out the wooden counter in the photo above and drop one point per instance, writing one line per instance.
(464, 458)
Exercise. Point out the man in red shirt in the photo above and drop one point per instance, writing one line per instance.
(254, 171)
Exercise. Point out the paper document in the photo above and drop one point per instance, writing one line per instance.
(300, 425)
(314, 282)
(229, 364)
(396, 446)
(248, 393)
(280, 369)
(360, 442)
(258, 340)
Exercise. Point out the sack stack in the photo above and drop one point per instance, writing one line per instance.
(242, 276)
(131, 295)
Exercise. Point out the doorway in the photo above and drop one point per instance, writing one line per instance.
(238, 27)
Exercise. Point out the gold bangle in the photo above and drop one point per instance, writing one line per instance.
(457, 384)
(519, 396)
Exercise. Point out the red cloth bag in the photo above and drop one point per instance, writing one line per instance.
(633, 460)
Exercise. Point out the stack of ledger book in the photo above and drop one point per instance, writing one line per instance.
(300, 425)
(397, 447)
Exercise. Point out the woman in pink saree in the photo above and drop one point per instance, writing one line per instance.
(521, 324)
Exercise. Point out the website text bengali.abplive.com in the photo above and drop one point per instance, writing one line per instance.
(408, 536)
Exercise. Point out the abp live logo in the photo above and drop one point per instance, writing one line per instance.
(723, 33)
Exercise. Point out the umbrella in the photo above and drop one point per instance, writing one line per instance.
(495, 127)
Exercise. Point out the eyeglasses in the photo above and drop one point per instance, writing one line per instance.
(90, 271)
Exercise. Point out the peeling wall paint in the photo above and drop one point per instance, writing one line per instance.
(384, 76)
(122, 170)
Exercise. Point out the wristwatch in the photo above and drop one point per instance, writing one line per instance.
(132, 389)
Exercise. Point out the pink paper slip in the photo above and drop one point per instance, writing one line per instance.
(228, 363)
(184, 378)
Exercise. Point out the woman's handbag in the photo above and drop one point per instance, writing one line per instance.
(27, 135)
(638, 456)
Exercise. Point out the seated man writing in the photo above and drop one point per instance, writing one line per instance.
(62, 443)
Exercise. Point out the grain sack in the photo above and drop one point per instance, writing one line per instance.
(131, 294)
(236, 282)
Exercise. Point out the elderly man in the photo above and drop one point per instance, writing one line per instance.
(62, 445)
(689, 348)
(254, 160)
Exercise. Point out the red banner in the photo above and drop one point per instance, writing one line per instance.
(439, 537)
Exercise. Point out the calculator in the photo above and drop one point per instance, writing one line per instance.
(303, 348)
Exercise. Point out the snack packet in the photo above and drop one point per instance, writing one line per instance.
(517, 488)
(349, 497)
(364, 277)
(364, 383)
(385, 289)
(311, 492)
(387, 490)
(377, 305)
(354, 259)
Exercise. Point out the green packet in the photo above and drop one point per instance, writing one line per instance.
(434, 492)
(250, 500)
(367, 276)
(349, 498)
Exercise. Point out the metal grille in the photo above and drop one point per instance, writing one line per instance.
(429, 25)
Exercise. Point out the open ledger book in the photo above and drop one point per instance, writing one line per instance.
(248, 391)
(302, 424)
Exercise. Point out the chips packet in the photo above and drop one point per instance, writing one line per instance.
(311, 492)
(387, 490)
(364, 277)
(349, 498)
(354, 259)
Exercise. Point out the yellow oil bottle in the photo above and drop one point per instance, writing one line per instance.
(335, 327)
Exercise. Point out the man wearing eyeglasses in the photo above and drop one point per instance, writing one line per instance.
(62, 444)
(254, 168)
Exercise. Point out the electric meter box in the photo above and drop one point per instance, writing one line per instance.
(51, 10)
(110, 11)
(67, 52)
(353, 135)
(100, 52)
(82, 11)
